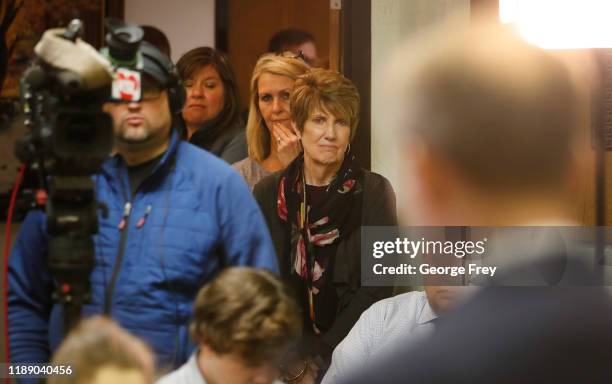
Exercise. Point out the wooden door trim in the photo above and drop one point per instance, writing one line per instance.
(356, 64)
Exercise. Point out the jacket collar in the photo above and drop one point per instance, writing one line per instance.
(115, 161)
(427, 314)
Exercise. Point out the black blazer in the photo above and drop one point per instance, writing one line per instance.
(378, 209)
(228, 143)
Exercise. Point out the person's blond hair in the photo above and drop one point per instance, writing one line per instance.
(99, 342)
(325, 90)
(258, 136)
(246, 311)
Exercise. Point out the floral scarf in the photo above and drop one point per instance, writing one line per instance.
(310, 227)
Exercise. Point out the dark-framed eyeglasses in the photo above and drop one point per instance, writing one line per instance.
(293, 55)
(150, 91)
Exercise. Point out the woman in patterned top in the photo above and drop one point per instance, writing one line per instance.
(315, 208)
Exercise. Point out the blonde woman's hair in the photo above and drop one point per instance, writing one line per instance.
(99, 342)
(258, 136)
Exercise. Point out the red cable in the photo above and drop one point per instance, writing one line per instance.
(7, 250)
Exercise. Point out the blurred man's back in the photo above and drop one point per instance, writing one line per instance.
(513, 335)
(488, 129)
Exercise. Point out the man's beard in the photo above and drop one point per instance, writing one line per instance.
(134, 135)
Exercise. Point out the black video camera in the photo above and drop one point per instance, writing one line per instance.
(69, 137)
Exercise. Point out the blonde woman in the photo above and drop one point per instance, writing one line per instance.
(272, 143)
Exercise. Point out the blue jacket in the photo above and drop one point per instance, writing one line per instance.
(202, 218)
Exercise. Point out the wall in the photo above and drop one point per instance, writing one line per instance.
(394, 21)
(187, 23)
(252, 23)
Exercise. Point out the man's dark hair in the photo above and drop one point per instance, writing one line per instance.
(156, 37)
(285, 39)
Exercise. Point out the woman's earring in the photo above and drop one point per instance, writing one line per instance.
(348, 148)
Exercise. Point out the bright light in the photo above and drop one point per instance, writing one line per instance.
(560, 24)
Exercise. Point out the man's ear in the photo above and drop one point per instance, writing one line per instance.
(437, 173)
(433, 175)
(205, 349)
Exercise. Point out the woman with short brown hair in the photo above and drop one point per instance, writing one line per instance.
(316, 207)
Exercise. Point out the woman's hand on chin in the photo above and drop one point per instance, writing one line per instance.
(288, 143)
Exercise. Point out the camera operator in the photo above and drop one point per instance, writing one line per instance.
(176, 216)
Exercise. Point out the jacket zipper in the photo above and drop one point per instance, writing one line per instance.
(123, 227)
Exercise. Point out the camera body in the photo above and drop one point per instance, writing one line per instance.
(69, 132)
(69, 136)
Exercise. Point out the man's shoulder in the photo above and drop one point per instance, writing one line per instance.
(188, 373)
(189, 151)
(395, 321)
(200, 162)
(399, 307)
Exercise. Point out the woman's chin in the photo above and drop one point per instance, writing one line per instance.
(326, 160)
(196, 122)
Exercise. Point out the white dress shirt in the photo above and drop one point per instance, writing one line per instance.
(386, 325)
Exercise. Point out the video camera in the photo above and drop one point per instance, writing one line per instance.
(62, 94)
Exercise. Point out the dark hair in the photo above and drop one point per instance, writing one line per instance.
(156, 37)
(201, 57)
(286, 39)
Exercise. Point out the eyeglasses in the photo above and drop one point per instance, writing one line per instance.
(150, 91)
(293, 55)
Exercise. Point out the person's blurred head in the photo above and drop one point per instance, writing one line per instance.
(98, 351)
(296, 41)
(271, 86)
(325, 110)
(244, 322)
(210, 83)
(488, 125)
(442, 299)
